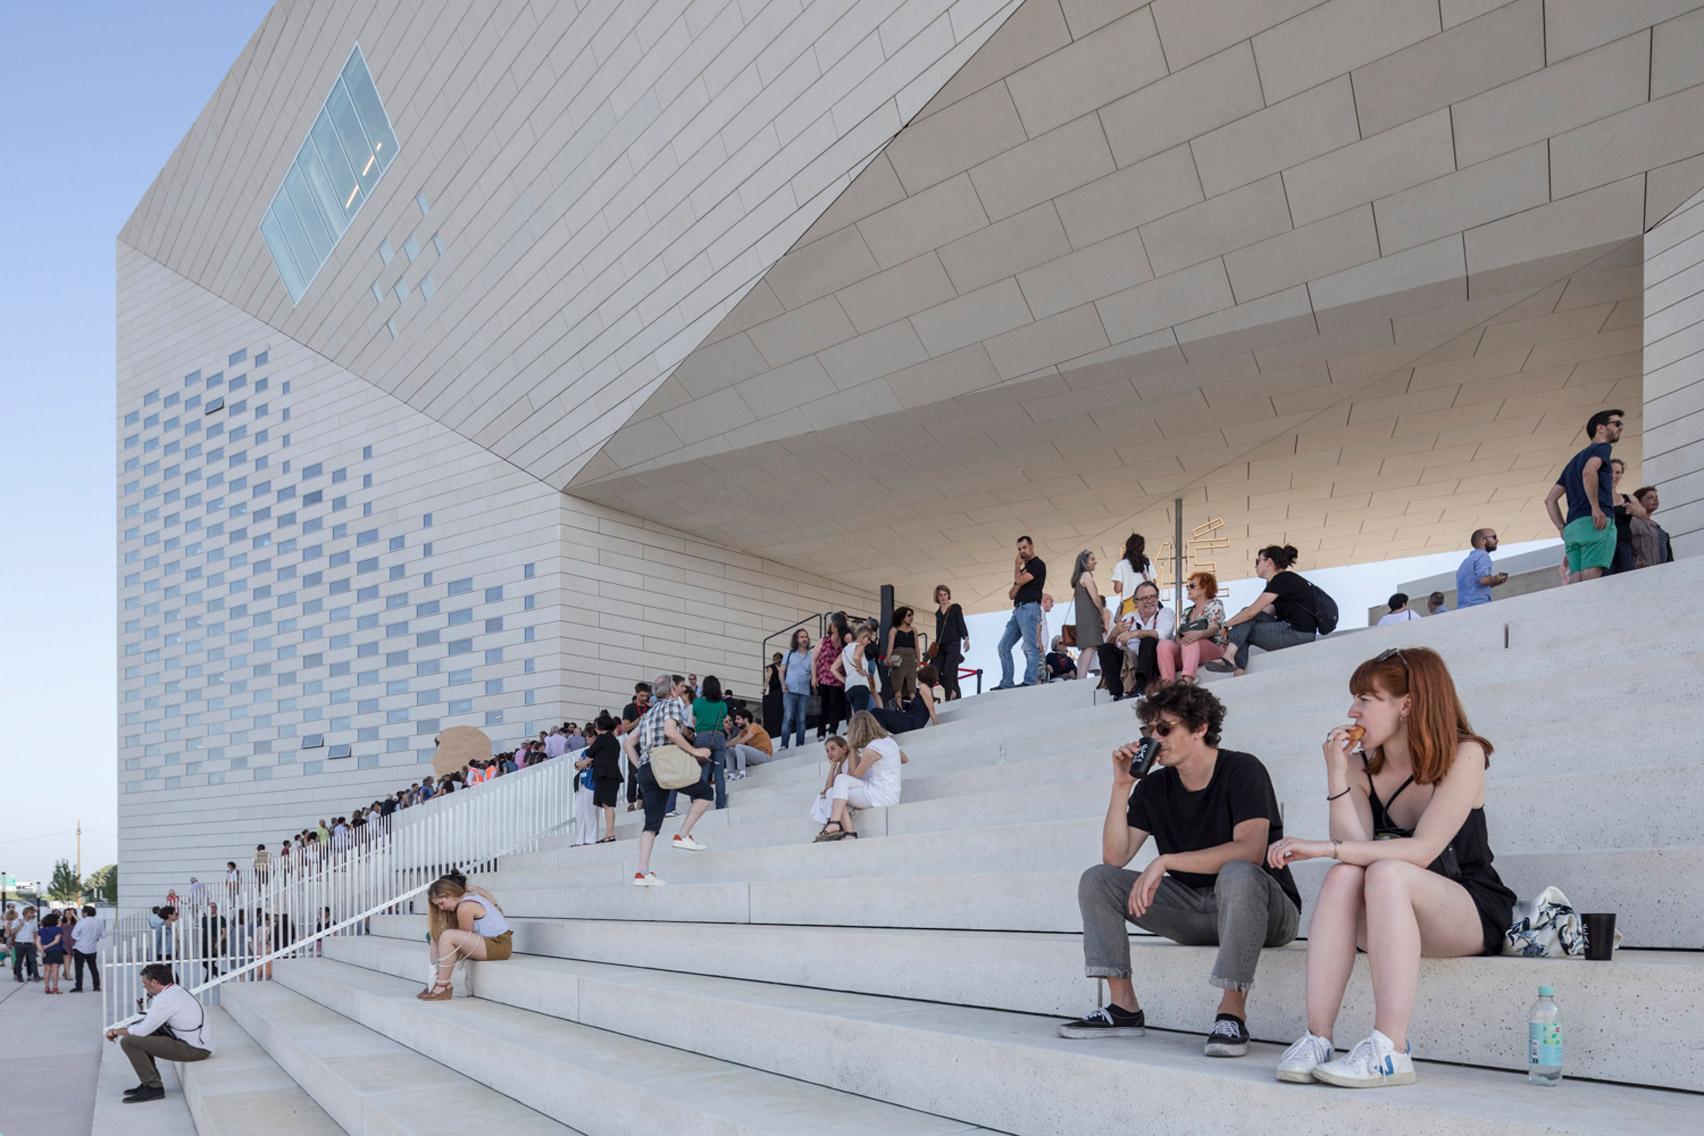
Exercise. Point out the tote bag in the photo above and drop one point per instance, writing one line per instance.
(673, 767)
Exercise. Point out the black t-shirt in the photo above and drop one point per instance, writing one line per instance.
(632, 713)
(1182, 821)
(1031, 592)
(1294, 604)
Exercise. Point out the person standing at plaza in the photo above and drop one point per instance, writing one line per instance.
(772, 694)
(1651, 543)
(901, 655)
(1399, 611)
(1029, 576)
(630, 715)
(664, 724)
(1587, 483)
(1434, 603)
(952, 641)
(85, 947)
(1476, 575)
(710, 721)
(1627, 510)
(1133, 568)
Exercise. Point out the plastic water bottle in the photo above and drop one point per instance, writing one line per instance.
(1544, 1039)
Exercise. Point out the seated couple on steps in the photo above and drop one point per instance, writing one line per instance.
(864, 772)
(1412, 878)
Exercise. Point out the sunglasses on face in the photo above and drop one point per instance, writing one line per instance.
(1163, 728)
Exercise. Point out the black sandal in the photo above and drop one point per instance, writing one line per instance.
(824, 836)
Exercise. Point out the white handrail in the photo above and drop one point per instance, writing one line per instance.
(380, 871)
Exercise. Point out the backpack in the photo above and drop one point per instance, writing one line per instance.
(1324, 609)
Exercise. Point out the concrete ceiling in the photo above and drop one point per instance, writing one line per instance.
(1343, 273)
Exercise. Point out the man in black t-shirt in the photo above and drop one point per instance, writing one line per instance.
(1212, 813)
(1029, 575)
(630, 715)
(1281, 616)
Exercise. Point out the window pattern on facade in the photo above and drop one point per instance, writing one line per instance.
(347, 150)
(262, 618)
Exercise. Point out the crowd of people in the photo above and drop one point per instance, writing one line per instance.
(43, 946)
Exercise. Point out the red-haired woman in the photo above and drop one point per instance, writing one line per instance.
(1413, 876)
(1201, 635)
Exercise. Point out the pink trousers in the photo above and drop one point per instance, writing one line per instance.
(1193, 655)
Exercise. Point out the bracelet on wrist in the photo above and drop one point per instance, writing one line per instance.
(1334, 796)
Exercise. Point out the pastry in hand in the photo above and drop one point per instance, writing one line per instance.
(1355, 734)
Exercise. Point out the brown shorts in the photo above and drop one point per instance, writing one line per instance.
(499, 948)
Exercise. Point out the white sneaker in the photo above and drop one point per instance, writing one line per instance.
(687, 844)
(1374, 1063)
(1301, 1059)
(646, 880)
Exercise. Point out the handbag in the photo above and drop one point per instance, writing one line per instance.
(1068, 634)
(1546, 927)
(1193, 625)
(673, 767)
(934, 649)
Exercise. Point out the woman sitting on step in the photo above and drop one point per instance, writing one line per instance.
(863, 773)
(1413, 876)
(917, 711)
(465, 922)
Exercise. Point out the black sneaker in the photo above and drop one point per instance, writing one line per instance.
(1228, 1037)
(150, 1093)
(1108, 1021)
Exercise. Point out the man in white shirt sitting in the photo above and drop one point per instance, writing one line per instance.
(86, 939)
(175, 1028)
(1130, 658)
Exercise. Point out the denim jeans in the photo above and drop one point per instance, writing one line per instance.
(1267, 632)
(1021, 628)
(716, 773)
(794, 708)
(857, 698)
(1245, 911)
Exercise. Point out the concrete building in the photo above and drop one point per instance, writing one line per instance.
(476, 360)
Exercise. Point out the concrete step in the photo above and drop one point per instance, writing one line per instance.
(169, 1117)
(997, 1068)
(242, 1090)
(1468, 1010)
(1654, 808)
(604, 1082)
(364, 1081)
(1655, 892)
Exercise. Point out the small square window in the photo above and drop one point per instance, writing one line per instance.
(420, 200)
(386, 253)
(390, 326)
(428, 287)
(411, 249)
(438, 243)
(213, 406)
(401, 290)
(313, 741)
(378, 293)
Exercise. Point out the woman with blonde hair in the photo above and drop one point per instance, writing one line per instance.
(864, 773)
(1413, 877)
(1201, 636)
(465, 922)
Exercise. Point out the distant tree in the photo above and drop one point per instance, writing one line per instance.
(65, 886)
(102, 884)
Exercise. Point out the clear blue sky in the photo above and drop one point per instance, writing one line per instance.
(96, 95)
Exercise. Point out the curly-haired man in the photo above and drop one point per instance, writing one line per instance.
(1212, 813)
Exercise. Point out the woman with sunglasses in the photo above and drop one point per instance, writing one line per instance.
(1413, 876)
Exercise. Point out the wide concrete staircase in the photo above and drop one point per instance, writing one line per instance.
(909, 981)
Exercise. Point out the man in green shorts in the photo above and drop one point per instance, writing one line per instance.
(1588, 531)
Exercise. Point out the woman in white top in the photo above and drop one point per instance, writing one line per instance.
(1400, 612)
(465, 922)
(864, 773)
(1132, 568)
(851, 669)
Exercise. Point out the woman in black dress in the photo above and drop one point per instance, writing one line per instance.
(772, 695)
(1414, 863)
(952, 642)
(605, 752)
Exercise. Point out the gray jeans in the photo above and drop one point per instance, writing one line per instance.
(1246, 911)
(745, 755)
(1267, 632)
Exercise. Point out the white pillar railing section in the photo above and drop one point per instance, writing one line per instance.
(233, 932)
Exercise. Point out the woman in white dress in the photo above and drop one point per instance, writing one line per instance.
(864, 773)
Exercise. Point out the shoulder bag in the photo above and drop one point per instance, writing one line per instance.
(673, 767)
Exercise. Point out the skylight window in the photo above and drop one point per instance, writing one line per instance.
(348, 148)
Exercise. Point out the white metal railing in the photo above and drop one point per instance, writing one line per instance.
(290, 911)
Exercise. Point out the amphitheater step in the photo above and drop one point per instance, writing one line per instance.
(895, 880)
(242, 1090)
(364, 1081)
(1008, 1070)
(602, 1082)
(169, 1117)
(1471, 1010)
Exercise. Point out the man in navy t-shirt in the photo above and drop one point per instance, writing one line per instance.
(1588, 530)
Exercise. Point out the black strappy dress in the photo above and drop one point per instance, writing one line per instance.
(1466, 860)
